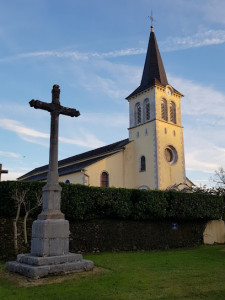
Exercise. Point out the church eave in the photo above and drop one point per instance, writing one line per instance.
(77, 162)
(141, 90)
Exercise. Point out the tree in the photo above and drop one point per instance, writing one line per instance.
(28, 209)
(219, 178)
(19, 195)
(19, 198)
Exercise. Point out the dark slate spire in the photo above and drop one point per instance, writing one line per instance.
(153, 69)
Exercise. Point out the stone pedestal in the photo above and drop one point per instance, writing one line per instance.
(49, 252)
(50, 237)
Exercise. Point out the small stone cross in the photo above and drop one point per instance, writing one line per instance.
(2, 171)
(52, 190)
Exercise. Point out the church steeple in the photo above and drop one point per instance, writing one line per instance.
(154, 71)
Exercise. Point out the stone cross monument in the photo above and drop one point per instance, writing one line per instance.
(2, 171)
(50, 232)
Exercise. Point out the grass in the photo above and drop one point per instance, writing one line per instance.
(179, 274)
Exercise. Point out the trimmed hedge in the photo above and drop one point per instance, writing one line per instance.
(80, 202)
(193, 206)
(111, 235)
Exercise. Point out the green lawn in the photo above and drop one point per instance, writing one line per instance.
(179, 274)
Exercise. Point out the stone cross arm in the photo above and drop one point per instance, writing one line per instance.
(54, 107)
(2, 171)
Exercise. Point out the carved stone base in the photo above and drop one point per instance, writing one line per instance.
(36, 267)
(50, 237)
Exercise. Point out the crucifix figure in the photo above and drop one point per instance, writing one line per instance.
(52, 190)
(2, 171)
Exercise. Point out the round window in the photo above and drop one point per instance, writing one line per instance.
(170, 155)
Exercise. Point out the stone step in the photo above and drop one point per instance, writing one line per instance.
(48, 260)
(35, 272)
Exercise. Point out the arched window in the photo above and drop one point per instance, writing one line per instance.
(104, 179)
(138, 113)
(173, 112)
(146, 110)
(164, 115)
(142, 164)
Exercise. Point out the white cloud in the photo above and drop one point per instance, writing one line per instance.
(199, 100)
(88, 140)
(75, 55)
(10, 154)
(106, 85)
(32, 136)
(17, 127)
(122, 52)
(109, 120)
(46, 54)
(214, 10)
(11, 176)
(201, 38)
(197, 161)
(33, 140)
(203, 111)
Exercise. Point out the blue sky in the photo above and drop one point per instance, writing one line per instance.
(95, 51)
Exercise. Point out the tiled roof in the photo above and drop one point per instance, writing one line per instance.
(77, 162)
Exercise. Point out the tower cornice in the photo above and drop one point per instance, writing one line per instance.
(140, 91)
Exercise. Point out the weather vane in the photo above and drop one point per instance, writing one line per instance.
(151, 18)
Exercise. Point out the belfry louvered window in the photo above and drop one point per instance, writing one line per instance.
(138, 113)
(173, 112)
(164, 114)
(147, 110)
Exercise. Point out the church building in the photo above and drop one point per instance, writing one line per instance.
(153, 155)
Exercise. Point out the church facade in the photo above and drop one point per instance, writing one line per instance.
(153, 155)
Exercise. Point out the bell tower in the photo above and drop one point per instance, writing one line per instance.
(155, 126)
